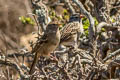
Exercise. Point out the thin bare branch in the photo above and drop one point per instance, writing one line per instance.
(115, 53)
(15, 66)
(107, 25)
(70, 6)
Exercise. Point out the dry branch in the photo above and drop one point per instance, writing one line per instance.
(72, 10)
(115, 53)
(107, 25)
(15, 66)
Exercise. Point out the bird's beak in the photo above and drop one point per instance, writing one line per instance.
(82, 16)
(59, 25)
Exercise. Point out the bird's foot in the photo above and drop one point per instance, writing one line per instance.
(53, 58)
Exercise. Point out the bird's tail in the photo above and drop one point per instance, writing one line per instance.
(33, 63)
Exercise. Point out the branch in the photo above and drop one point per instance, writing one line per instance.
(70, 7)
(6, 39)
(19, 54)
(106, 25)
(64, 71)
(111, 55)
(41, 11)
(89, 16)
(15, 66)
(115, 62)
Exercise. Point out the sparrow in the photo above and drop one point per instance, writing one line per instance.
(70, 32)
(47, 44)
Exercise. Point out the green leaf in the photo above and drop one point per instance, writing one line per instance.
(66, 17)
(103, 30)
(86, 32)
(65, 12)
(26, 20)
(112, 19)
(22, 19)
(96, 22)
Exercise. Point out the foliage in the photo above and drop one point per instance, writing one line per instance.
(65, 14)
(62, 19)
(26, 20)
(86, 24)
(112, 20)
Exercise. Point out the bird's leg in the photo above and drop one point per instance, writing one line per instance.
(51, 58)
(54, 58)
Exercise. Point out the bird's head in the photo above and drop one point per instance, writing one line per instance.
(53, 27)
(75, 17)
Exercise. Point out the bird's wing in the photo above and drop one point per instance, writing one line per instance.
(39, 43)
(68, 30)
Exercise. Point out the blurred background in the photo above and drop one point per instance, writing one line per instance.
(11, 28)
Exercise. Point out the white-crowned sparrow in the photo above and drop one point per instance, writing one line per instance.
(70, 31)
(47, 44)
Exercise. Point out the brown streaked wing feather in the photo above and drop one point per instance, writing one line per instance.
(39, 43)
(68, 30)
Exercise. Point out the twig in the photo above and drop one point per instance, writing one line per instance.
(37, 25)
(27, 54)
(25, 67)
(8, 41)
(46, 76)
(106, 25)
(15, 66)
(8, 73)
(38, 7)
(64, 71)
(111, 55)
(70, 7)
(39, 33)
(79, 61)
